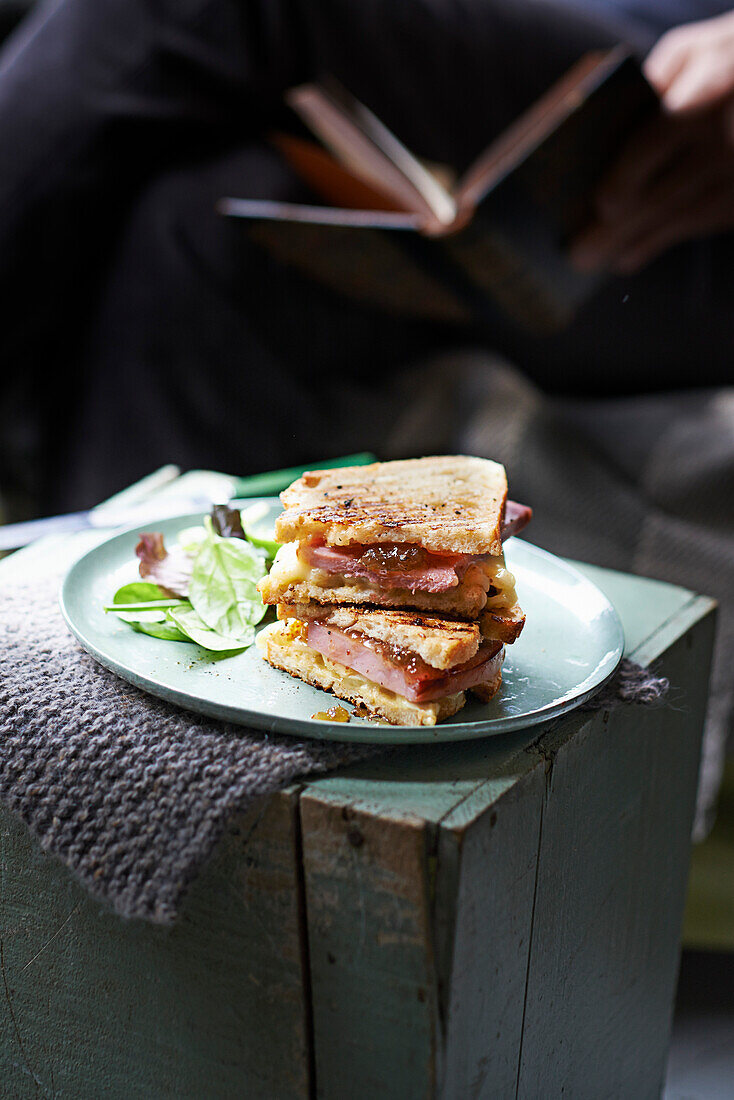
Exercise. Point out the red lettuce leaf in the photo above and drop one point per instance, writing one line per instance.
(169, 569)
(227, 522)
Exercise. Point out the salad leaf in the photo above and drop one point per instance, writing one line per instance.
(223, 585)
(190, 623)
(270, 546)
(136, 597)
(166, 630)
(252, 524)
(170, 569)
(191, 538)
(204, 590)
(148, 605)
(227, 522)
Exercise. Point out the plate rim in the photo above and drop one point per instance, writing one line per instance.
(363, 732)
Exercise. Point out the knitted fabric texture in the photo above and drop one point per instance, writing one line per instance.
(130, 792)
(631, 684)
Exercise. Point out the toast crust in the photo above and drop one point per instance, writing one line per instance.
(441, 643)
(503, 625)
(448, 504)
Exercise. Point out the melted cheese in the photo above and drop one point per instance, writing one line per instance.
(288, 569)
(503, 580)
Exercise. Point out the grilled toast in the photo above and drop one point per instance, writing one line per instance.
(450, 504)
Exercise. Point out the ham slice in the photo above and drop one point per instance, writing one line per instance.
(517, 516)
(441, 572)
(436, 573)
(412, 678)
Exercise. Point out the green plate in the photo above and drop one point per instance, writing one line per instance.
(571, 644)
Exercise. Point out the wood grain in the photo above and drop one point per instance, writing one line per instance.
(612, 876)
(372, 970)
(556, 866)
(93, 1005)
(483, 920)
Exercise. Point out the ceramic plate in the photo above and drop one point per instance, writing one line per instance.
(571, 644)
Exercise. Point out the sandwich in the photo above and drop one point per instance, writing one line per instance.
(409, 668)
(391, 587)
(422, 533)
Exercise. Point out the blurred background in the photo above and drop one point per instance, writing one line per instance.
(142, 327)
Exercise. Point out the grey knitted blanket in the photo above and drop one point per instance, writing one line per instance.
(129, 792)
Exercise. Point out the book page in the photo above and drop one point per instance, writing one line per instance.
(293, 213)
(332, 181)
(366, 147)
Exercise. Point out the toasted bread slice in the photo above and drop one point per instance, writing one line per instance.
(441, 643)
(283, 647)
(502, 625)
(450, 504)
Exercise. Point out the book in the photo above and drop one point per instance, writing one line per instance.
(488, 246)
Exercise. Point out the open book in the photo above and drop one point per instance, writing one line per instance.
(401, 234)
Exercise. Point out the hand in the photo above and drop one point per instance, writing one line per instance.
(674, 181)
(693, 66)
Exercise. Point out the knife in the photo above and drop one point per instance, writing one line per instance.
(15, 535)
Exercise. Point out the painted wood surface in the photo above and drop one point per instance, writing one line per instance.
(613, 862)
(483, 920)
(95, 1006)
(445, 921)
(368, 901)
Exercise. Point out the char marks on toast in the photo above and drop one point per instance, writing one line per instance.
(447, 504)
(440, 642)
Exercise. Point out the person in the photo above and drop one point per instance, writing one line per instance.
(140, 327)
(675, 180)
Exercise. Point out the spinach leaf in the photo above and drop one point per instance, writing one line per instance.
(252, 522)
(191, 538)
(190, 623)
(223, 606)
(166, 630)
(138, 592)
(270, 546)
(136, 597)
(223, 588)
(147, 605)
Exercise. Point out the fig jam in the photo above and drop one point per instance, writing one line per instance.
(406, 659)
(333, 714)
(395, 557)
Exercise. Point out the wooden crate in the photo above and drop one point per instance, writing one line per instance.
(495, 919)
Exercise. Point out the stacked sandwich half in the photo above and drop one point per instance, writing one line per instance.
(391, 586)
